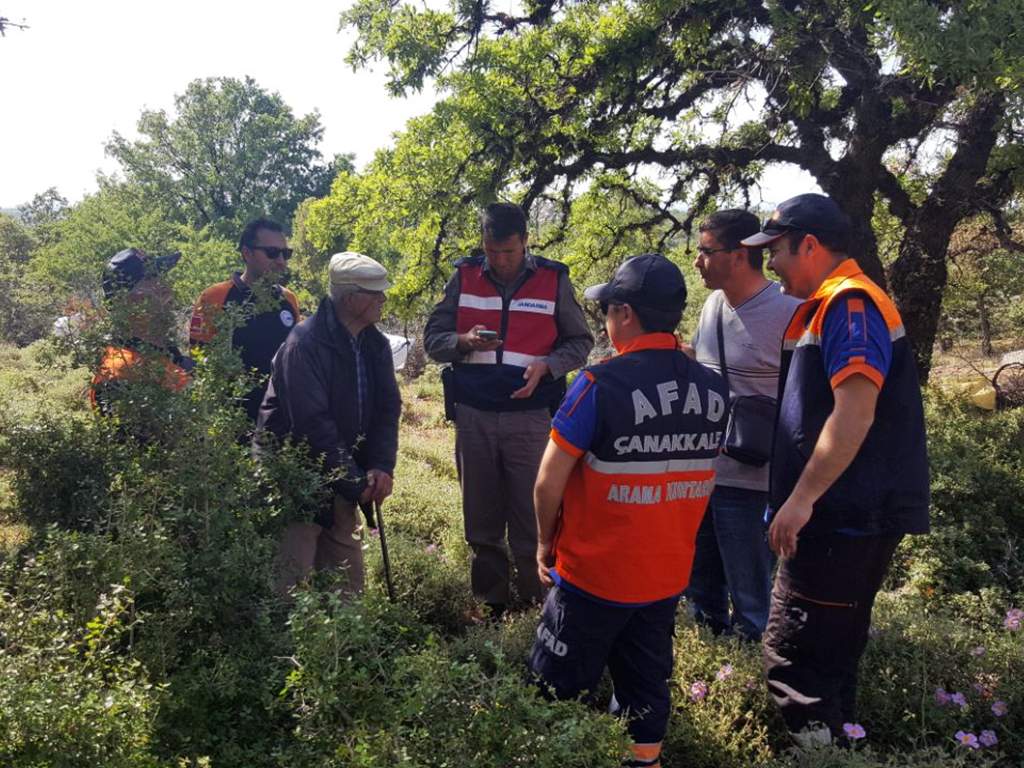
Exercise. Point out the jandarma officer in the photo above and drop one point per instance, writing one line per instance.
(505, 389)
(621, 491)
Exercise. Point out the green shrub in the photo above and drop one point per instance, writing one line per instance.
(977, 481)
(372, 687)
(70, 695)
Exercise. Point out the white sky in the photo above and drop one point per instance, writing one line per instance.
(85, 69)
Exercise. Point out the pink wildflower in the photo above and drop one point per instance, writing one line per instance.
(1014, 619)
(999, 708)
(966, 739)
(942, 698)
(854, 731)
(959, 699)
(698, 691)
(430, 549)
(978, 651)
(724, 673)
(988, 738)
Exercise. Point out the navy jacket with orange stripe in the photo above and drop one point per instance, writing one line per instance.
(885, 488)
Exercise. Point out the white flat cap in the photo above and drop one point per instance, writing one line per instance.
(350, 268)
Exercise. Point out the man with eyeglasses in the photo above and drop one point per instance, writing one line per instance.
(333, 388)
(264, 310)
(849, 469)
(740, 330)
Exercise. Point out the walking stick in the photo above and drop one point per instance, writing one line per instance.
(384, 552)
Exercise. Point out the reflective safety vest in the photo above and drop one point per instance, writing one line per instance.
(525, 322)
(124, 364)
(635, 499)
(885, 488)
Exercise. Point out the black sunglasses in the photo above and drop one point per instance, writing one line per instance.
(272, 252)
(606, 304)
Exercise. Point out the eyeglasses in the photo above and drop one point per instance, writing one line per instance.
(272, 252)
(607, 305)
(704, 251)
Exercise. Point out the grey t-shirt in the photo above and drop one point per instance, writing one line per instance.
(753, 347)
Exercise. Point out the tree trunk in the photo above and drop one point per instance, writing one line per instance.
(984, 318)
(918, 276)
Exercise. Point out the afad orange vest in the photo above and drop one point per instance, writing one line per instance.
(128, 365)
(636, 498)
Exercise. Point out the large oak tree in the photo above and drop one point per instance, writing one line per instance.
(230, 151)
(675, 106)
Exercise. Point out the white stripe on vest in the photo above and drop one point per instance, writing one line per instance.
(481, 358)
(653, 467)
(480, 302)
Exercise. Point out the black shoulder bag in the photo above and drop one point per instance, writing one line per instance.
(750, 429)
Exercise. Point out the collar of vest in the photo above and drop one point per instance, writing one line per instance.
(239, 283)
(847, 268)
(649, 341)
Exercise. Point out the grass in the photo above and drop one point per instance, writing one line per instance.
(919, 643)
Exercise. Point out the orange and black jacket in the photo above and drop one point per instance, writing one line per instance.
(134, 362)
(257, 339)
(636, 497)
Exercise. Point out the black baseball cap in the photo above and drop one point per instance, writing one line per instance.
(649, 281)
(129, 267)
(812, 213)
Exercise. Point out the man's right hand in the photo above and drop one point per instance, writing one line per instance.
(471, 341)
(545, 562)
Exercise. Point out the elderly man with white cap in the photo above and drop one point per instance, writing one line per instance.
(333, 387)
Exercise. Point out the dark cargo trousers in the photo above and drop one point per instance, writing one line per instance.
(578, 637)
(818, 629)
(497, 454)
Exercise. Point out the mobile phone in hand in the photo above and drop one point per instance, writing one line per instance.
(487, 335)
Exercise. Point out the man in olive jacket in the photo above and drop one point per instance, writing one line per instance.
(333, 387)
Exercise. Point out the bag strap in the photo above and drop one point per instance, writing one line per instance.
(721, 346)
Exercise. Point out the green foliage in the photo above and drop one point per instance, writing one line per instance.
(138, 626)
(986, 287)
(977, 474)
(23, 315)
(573, 109)
(230, 152)
(118, 216)
(70, 697)
(373, 688)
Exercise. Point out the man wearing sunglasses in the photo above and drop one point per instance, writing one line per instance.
(849, 467)
(262, 311)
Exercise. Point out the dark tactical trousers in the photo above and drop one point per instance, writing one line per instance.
(818, 629)
(578, 637)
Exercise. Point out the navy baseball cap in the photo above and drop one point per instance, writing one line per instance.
(649, 281)
(811, 213)
(129, 267)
